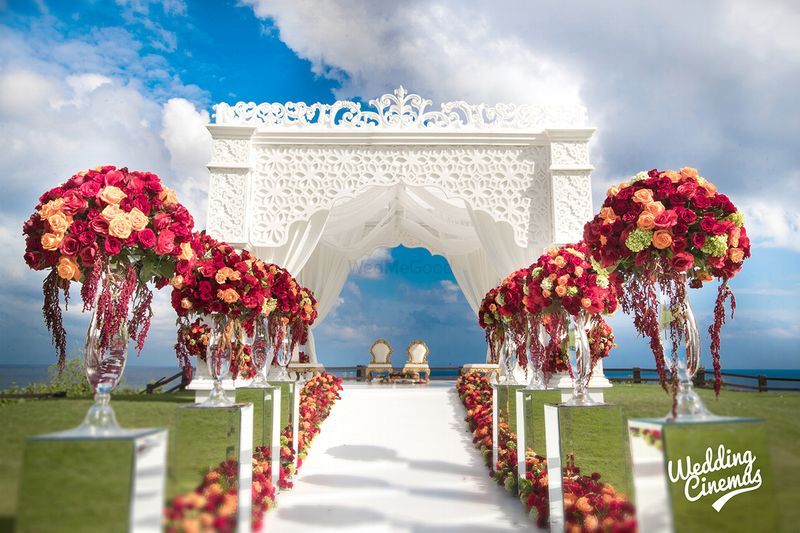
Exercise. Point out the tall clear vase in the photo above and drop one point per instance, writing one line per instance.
(284, 354)
(260, 351)
(537, 335)
(580, 358)
(104, 367)
(218, 357)
(681, 340)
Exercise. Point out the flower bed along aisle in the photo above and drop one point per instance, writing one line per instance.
(212, 506)
(589, 504)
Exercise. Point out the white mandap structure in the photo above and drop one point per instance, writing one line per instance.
(316, 187)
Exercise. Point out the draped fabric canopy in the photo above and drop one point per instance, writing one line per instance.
(323, 249)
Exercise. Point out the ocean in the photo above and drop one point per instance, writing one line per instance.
(136, 377)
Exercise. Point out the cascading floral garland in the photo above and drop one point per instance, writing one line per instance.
(115, 231)
(564, 282)
(213, 505)
(659, 230)
(589, 504)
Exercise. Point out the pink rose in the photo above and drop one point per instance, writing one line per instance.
(99, 225)
(113, 246)
(147, 238)
(666, 219)
(165, 242)
(74, 203)
(89, 189)
(162, 221)
(114, 178)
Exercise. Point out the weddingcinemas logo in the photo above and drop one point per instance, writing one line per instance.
(740, 475)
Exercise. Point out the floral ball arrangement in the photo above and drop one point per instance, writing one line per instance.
(563, 282)
(663, 229)
(114, 231)
(501, 315)
(192, 341)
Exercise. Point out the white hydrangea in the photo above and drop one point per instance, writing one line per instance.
(547, 284)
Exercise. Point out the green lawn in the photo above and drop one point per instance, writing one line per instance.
(602, 452)
(22, 420)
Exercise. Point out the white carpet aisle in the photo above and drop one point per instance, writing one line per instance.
(396, 459)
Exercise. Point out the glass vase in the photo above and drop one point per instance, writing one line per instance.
(104, 366)
(284, 354)
(537, 335)
(218, 357)
(260, 352)
(580, 358)
(681, 341)
(508, 359)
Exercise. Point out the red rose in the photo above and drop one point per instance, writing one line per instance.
(666, 219)
(74, 203)
(147, 238)
(99, 225)
(33, 259)
(114, 178)
(708, 224)
(698, 240)
(69, 246)
(162, 221)
(165, 242)
(700, 199)
(89, 189)
(88, 255)
(86, 237)
(113, 246)
(688, 188)
(686, 216)
(141, 203)
(682, 261)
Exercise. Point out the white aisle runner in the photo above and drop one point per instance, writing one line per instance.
(396, 459)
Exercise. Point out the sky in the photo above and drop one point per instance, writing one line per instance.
(712, 85)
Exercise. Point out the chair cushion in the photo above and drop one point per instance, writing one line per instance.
(417, 352)
(416, 365)
(379, 365)
(381, 351)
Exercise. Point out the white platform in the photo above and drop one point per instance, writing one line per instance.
(396, 458)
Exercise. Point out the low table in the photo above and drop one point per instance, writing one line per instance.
(401, 377)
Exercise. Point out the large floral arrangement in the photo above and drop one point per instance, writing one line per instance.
(101, 223)
(589, 504)
(661, 229)
(502, 315)
(294, 311)
(563, 282)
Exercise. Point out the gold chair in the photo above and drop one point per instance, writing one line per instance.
(417, 363)
(381, 353)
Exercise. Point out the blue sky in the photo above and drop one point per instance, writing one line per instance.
(132, 82)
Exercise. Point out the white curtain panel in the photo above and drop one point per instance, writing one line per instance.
(303, 239)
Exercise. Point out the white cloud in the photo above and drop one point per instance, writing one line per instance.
(706, 84)
(373, 266)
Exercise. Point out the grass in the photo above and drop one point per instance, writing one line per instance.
(25, 419)
(603, 451)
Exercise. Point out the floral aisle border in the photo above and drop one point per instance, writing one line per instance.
(212, 506)
(589, 504)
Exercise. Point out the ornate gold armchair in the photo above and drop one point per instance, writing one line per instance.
(381, 353)
(417, 363)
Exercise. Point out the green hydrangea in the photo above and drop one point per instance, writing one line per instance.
(572, 291)
(547, 284)
(602, 281)
(535, 272)
(640, 176)
(500, 300)
(638, 240)
(716, 246)
(737, 218)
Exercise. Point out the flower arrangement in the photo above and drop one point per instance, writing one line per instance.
(589, 504)
(564, 282)
(660, 230)
(114, 231)
(502, 315)
(601, 340)
(192, 341)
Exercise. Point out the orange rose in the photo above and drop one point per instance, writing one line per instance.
(608, 215)
(50, 241)
(112, 195)
(138, 220)
(120, 227)
(559, 261)
(186, 304)
(733, 237)
(673, 176)
(578, 271)
(709, 187)
(229, 296)
(662, 239)
(583, 504)
(59, 222)
(689, 172)
(167, 196)
(705, 276)
(591, 522)
(546, 293)
(50, 208)
(654, 207)
(563, 279)
(586, 303)
(643, 196)
(222, 275)
(68, 268)
(613, 190)
(110, 212)
(561, 290)
(177, 281)
(186, 251)
(646, 220)
(736, 254)
(603, 240)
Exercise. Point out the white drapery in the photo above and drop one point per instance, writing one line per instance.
(322, 250)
